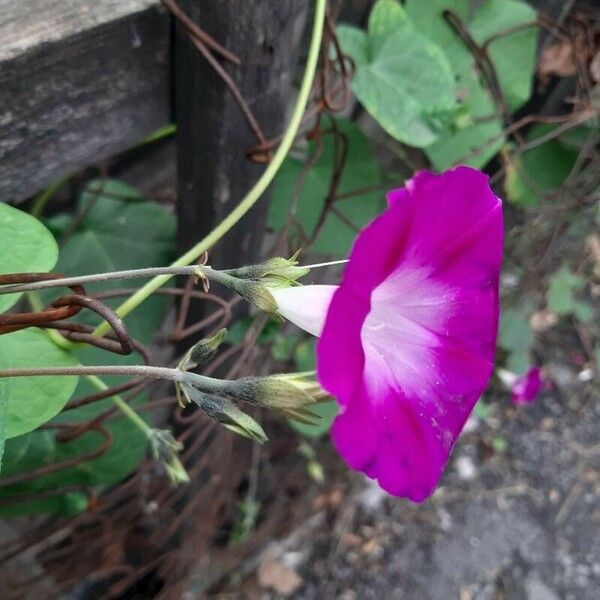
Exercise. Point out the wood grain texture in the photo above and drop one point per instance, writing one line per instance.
(213, 176)
(79, 82)
(213, 135)
(27, 24)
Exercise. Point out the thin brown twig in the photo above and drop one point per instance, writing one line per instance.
(70, 462)
(509, 31)
(196, 32)
(340, 153)
(115, 322)
(233, 88)
(16, 321)
(482, 60)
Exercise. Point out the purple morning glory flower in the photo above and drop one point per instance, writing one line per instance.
(408, 339)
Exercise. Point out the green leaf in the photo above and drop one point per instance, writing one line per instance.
(68, 504)
(129, 442)
(283, 346)
(515, 333)
(513, 55)
(387, 17)
(561, 289)
(305, 355)
(120, 231)
(476, 139)
(361, 171)
(403, 80)
(27, 246)
(327, 411)
(477, 142)
(304, 358)
(583, 311)
(236, 332)
(40, 448)
(427, 18)
(519, 360)
(481, 410)
(34, 400)
(516, 336)
(354, 42)
(499, 444)
(542, 169)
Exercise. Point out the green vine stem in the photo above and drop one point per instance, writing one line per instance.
(61, 342)
(197, 270)
(100, 277)
(259, 187)
(39, 204)
(206, 384)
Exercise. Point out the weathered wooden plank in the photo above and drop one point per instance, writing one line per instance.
(214, 172)
(213, 134)
(79, 82)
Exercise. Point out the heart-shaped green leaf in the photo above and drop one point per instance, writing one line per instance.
(119, 231)
(34, 400)
(27, 246)
(477, 136)
(403, 79)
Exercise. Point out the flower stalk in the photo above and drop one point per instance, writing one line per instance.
(163, 446)
(289, 394)
(251, 282)
(98, 278)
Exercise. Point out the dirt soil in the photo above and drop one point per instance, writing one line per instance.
(517, 516)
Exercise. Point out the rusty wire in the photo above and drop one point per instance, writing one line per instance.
(196, 427)
(15, 321)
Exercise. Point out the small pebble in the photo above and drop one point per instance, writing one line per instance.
(465, 468)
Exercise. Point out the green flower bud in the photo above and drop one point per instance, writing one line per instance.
(257, 295)
(164, 448)
(252, 291)
(287, 394)
(202, 352)
(275, 272)
(224, 411)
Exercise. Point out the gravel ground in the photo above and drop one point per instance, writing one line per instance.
(517, 516)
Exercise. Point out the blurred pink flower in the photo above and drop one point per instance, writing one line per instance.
(408, 341)
(526, 388)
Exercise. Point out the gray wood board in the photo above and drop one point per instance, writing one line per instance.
(213, 170)
(79, 82)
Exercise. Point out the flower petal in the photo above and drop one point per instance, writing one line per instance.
(527, 387)
(409, 340)
(305, 305)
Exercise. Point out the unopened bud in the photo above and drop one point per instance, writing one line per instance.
(257, 295)
(288, 394)
(275, 272)
(202, 352)
(226, 412)
(164, 449)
